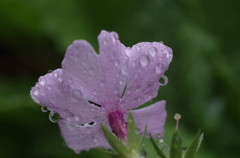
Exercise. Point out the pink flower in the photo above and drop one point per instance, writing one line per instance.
(96, 88)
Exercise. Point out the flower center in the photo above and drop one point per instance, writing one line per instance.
(118, 125)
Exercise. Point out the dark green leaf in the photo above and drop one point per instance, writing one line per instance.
(159, 152)
(132, 136)
(194, 146)
(176, 149)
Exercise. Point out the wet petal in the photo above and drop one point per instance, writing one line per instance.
(147, 63)
(153, 116)
(114, 63)
(64, 99)
(80, 138)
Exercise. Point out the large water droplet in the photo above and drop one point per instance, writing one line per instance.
(124, 69)
(152, 51)
(76, 95)
(44, 109)
(54, 117)
(143, 153)
(144, 60)
(163, 80)
(42, 80)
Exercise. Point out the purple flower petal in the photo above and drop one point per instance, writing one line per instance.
(153, 116)
(147, 63)
(51, 92)
(80, 138)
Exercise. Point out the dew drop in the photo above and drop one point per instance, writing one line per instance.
(116, 62)
(76, 95)
(152, 51)
(42, 80)
(49, 86)
(97, 118)
(66, 87)
(159, 68)
(35, 99)
(163, 80)
(161, 140)
(124, 70)
(49, 71)
(143, 153)
(44, 109)
(53, 99)
(128, 51)
(144, 60)
(54, 117)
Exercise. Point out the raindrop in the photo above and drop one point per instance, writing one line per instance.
(143, 153)
(42, 80)
(53, 99)
(54, 117)
(49, 86)
(150, 83)
(163, 80)
(159, 68)
(105, 42)
(152, 51)
(44, 109)
(144, 60)
(124, 69)
(128, 51)
(36, 92)
(35, 99)
(66, 87)
(161, 140)
(76, 95)
(95, 140)
(49, 71)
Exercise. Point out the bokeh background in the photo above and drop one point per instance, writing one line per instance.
(204, 77)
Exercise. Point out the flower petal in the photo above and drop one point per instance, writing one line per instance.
(81, 138)
(147, 63)
(114, 63)
(153, 116)
(59, 97)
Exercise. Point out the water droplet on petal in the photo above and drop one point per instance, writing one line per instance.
(35, 99)
(128, 51)
(42, 80)
(163, 80)
(66, 87)
(144, 60)
(44, 109)
(124, 69)
(76, 95)
(152, 51)
(53, 99)
(116, 62)
(54, 117)
(143, 153)
(159, 68)
(49, 86)
(105, 42)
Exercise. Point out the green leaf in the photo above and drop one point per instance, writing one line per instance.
(115, 143)
(194, 146)
(159, 152)
(132, 136)
(143, 136)
(176, 149)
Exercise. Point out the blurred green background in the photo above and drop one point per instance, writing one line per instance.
(204, 77)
